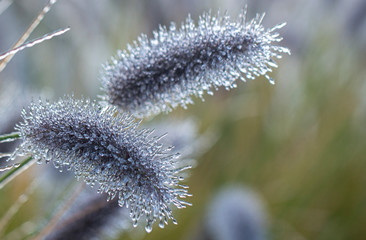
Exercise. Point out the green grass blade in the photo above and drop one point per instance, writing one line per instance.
(9, 137)
(9, 175)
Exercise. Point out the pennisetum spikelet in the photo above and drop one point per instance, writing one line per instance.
(104, 147)
(157, 75)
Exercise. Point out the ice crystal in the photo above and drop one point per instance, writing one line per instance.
(105, 147)
(157, 75)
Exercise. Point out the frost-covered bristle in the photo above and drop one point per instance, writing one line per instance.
(104, 147)
(157, 75)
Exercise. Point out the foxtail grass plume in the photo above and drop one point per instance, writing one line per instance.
(104, 147)
(157, 75)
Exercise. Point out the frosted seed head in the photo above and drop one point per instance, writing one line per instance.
(159, 74)
(105, 147)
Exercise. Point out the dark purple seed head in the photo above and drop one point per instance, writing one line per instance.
(157, 75)
(105, 148)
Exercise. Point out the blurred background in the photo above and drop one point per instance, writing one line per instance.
(297, 149)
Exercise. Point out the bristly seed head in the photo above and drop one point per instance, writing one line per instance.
(157, 75)
(106, 148)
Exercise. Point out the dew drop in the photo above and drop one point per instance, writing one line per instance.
(161, 223)
(135, 224)
(271, 80)
(148, 228)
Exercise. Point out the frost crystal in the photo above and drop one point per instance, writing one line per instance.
(156, 75)
(104, 147)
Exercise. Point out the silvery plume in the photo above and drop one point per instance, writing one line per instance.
(105, 148)
(157, 75)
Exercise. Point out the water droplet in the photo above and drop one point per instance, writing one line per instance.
(148, 228)
(161, 223)
(135, 223)
(271, 80)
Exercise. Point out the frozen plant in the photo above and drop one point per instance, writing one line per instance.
(157, 75)
(105, 147)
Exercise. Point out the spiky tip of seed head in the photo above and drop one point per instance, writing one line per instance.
(157, 75)
(104, 147)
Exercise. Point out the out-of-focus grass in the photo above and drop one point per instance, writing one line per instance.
(300, 144)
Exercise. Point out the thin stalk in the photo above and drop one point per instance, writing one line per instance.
(24, 232)
(9, 137)
(26, 34)
(5, 219)
(9, 175)
(34, 42)
(4, 155)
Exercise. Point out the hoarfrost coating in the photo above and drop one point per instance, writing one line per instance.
(104, 147)
(157, 75)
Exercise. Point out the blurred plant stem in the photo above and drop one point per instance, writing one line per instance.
(26, 34)
(9, 137)
(55, 219)
(8, 176)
